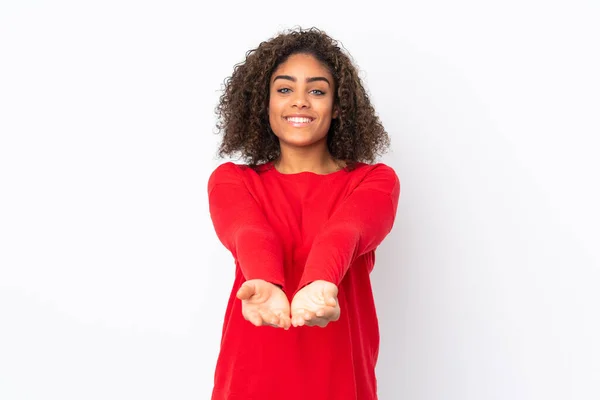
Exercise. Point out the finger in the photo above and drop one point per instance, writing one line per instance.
(326, 312)
(269, 318)
(297, 321)
(284, 320)
(254, 318)
(320, 322)
(322, 311)
(329, 314)
(246, 291)
(331, 301)
(297, 317)
(308, 315)
(305, 318)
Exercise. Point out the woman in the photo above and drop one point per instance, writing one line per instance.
(302, 218)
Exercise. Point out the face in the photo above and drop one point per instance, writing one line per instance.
(301, 102)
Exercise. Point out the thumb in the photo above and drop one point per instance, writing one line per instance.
(246, 291)
(331, 301)
(330, 296)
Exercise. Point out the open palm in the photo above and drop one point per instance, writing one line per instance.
(264, 304)
(315, 304)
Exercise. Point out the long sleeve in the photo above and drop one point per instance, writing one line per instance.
(358, 226)
(243, 228)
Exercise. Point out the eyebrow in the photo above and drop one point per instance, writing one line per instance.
(308, 80)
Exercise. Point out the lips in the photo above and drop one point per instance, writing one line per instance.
(299, 120)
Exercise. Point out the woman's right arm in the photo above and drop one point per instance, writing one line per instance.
(242, 227)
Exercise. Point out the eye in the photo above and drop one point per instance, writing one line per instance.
(318, 92)
(283, 90)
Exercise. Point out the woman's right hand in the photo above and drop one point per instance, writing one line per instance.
(264, 304)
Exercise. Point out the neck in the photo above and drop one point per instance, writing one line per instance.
(318, 160)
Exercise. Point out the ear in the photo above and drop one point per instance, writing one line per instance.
(335, 113)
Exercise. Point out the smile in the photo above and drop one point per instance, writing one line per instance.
(299, 121)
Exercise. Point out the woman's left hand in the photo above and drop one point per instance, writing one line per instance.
(316, 304)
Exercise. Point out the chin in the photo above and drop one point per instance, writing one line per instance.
(298, 141)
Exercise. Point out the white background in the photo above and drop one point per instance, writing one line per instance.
(113, 284)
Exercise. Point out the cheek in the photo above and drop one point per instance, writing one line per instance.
(274, 107)
(328, 111)
(272, 112)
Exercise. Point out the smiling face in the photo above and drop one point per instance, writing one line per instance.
(301, 96)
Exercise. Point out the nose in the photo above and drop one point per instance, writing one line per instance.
(300, 100)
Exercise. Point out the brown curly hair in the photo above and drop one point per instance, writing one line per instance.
(356, 135)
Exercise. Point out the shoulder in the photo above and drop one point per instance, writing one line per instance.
(379, 170)
(378, 177)
(228, 168)
(230, 172)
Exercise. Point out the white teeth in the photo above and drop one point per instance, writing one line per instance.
(299, 120)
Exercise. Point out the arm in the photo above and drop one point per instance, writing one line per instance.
(358, 226)
(243, 228)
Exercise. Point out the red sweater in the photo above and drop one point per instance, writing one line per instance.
(292, 229)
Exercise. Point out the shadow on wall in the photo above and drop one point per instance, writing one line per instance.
(391, 287)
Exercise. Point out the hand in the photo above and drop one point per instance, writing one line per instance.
(264, 304)
(315, 304)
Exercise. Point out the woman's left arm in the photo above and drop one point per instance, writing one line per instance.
(358, 226)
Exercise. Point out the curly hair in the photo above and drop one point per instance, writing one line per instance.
(356, 135)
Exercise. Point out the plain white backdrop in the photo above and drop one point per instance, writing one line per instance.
(113, 284)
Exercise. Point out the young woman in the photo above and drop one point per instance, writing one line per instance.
(302, 218)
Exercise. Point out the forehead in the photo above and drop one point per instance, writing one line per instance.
(302, 65)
